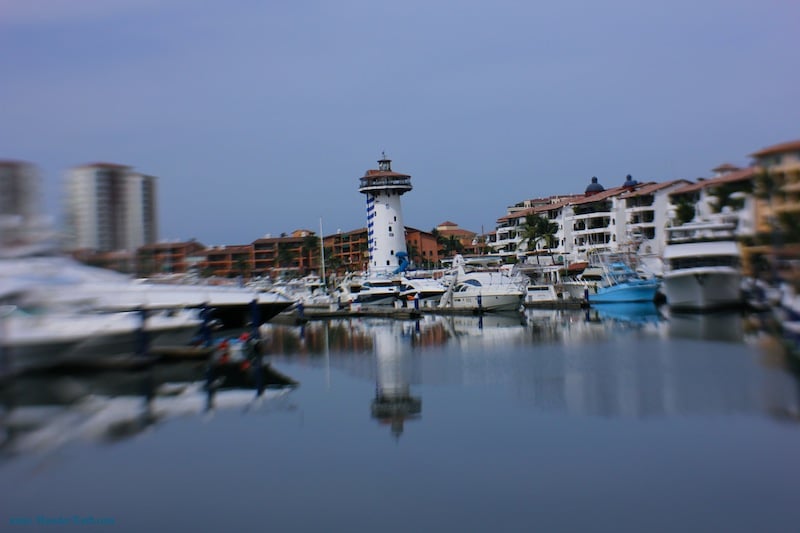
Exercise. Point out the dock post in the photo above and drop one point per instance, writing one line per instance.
(205, 328)
(142, 339)
(5, 351)
(480, 302)
(255, 344)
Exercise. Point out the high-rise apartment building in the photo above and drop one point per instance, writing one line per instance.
(110, 207)
(19, 189)
(20, 210)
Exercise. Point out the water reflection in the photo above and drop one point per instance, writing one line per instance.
(44, 411)
(606, 361)
(718, 326)
(588, 363)
(393, 403)
(631, 313)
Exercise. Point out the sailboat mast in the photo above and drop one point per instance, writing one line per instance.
(322, 255)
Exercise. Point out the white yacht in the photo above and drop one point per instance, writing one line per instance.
(480, 291)
(368, 290)
(34, 340)
(310, 291)
(427, 291)
(541, 294)
(702, 266)
(62, 282)
(584, 283)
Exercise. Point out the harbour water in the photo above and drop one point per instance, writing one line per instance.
(609, 419)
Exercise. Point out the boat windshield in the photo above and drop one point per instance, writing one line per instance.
(620, 273)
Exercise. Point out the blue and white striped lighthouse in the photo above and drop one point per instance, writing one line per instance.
(385, 229)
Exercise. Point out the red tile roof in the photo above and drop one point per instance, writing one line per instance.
(725, 167)
(101, 164)
(650, 188)
(791, 146)
(384, 174)
(598, 196)
(739, 175)
(457, 232)
(14, 163)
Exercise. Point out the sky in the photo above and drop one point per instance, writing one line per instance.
(259, 117)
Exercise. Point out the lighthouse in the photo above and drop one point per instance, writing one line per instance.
(385, 230)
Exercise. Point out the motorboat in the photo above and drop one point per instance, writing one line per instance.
(426, 292)
(366, 289)
(583, 284)
(40, 339)
(484, 290)
(702, 266)
(619, 281)
(309, 292)
(57, 281)
(541, 294)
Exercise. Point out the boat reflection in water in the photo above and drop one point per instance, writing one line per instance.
(583, 362)
(725, 326)
(42, 412)
(638, 313)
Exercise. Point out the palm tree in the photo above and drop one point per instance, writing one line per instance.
(536, 228)
(413, 254)
(309, 246)
(241, 266)
(286, 255)
(451, 245)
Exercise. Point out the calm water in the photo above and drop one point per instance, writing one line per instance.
(612, 420)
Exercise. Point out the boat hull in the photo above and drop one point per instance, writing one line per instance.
(577, 290)
(703, 289)
(41, 342)
(489, 302)
(541, 295)
(626, 292)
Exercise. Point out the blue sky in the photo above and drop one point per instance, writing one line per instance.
(259, 117)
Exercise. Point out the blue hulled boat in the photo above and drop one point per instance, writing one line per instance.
(621, 283)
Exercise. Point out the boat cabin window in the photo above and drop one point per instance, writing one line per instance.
(681, 263)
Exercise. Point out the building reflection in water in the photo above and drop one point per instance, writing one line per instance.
(611, 362)
(393, 403)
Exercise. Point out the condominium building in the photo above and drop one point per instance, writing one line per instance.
(630, 216)
(19, 189)
(777, 213)
(778, 168)
(110, 207)
(19, 201)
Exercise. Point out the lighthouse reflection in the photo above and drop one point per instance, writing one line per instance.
(393, 403)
